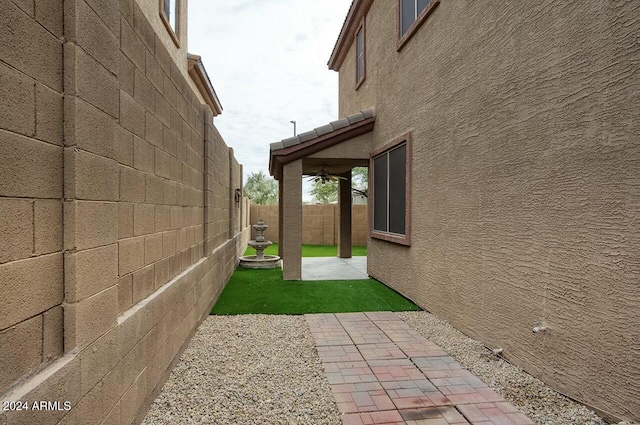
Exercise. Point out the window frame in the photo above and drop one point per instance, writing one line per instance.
(166, 21)
(417, 23)
(405, 239)
(361, 27)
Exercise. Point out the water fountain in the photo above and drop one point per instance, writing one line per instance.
(260, 261)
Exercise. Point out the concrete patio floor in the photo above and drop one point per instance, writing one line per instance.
(334, 268)
(381, 371)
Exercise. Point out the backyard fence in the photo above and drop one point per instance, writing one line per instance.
(320, 223)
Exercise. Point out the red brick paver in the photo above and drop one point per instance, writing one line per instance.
(383, 372)
(433, 416)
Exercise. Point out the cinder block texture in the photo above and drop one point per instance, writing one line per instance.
(17, 109)
(143, 219)
(16, 229)
(50, 15)
(98, 359)
(49, 115)
(125, 220)
(143, 155)
(52, 334)
(132, 185)
(88, 79)
(126, 76)
(29, 168)
(125, 292)
(152, 248)
(128, 136)
(124, 146)
(85, 28)
(143, 283)
(89, 176)
(90, 224)
(130, 255)
(132, 115)
(88, 128)
(90, 271)
(38, 280)
(86, 320)
(47, 220)
(131, 44)
(29, 47)
(20, 350)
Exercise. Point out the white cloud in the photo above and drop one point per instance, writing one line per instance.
(267, 60)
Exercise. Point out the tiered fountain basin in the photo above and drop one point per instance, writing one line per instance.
(260, 261)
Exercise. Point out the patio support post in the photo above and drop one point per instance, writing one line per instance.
(344, 201)
(292, 220)
(280, 216)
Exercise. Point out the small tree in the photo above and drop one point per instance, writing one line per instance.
(261, 189)
(360, 180)
(326, 192)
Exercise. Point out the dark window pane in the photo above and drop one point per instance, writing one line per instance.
(360, 70)
(166, 6)
(380, 193)
(421, 5)
(397, 189)
(360, 41)
(407, 15)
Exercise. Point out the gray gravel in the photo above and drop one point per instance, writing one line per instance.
(250, 369)
(259, 369)
(540, 403)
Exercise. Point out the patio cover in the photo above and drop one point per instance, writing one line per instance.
(310, 152)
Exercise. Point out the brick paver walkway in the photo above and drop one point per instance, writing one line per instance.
(383, 372)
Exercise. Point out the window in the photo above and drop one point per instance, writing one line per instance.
(391, 182)
(411, 14)
(360, 56)
(170, 14)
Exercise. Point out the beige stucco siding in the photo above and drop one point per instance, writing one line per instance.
(526, 189)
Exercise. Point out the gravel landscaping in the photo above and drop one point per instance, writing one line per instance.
(264, 369)
(249, 369)
(540, 403)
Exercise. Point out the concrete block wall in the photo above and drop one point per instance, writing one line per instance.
(119, 228)
(319, 223)
(31, 175)
(359, 225)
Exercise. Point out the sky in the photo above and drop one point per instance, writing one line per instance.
(267, 61)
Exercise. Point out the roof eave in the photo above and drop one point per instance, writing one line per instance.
(199, 75)
(357, 11)
(283, 156)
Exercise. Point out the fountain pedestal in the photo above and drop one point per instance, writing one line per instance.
(260, 261)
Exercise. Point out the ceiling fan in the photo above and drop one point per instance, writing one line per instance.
(323, 176)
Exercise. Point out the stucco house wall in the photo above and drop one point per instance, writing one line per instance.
(525, 182)
(118, 225)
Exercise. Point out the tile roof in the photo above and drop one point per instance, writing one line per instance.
(323, 130)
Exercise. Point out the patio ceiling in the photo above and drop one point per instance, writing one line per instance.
(305, 145)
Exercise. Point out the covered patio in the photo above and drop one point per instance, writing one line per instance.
(332, 268)
(334, 148)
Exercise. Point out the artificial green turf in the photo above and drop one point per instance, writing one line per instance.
(252, 291)
(313, 250)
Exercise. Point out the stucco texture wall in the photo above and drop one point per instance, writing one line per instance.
(120, 228)
(525, 184)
